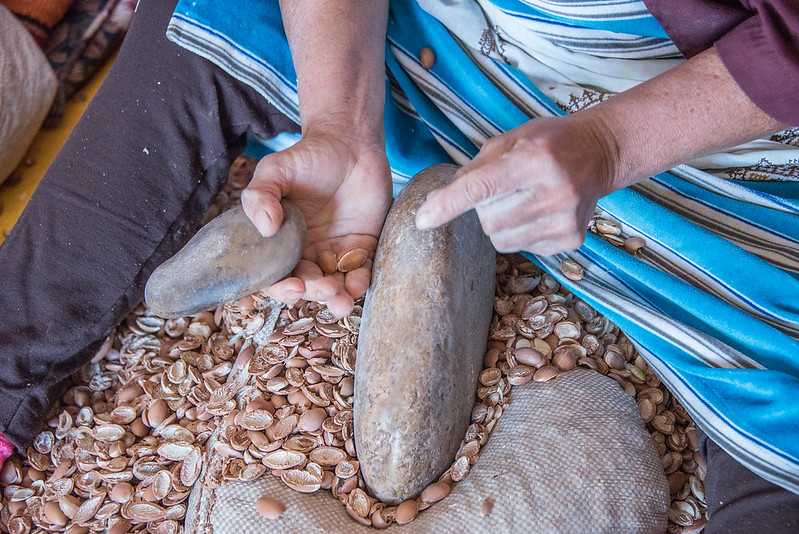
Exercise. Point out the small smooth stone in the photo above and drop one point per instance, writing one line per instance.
(269, 507)
(226, 259)
(421, 346)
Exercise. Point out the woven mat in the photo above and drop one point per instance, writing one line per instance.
(568, 455)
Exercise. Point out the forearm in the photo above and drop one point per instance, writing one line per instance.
(690, 111)
(338, 52)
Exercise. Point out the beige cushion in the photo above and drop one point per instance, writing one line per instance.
(568, 455)
(27, 87)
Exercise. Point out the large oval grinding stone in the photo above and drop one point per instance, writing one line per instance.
(421, 344)
(226, 259)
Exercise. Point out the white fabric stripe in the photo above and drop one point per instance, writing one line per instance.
(599, 285)
(475, 126)
(215, 47)
(528, 102)
(669, 260)
(776, 248)
(731, 189)
(590, 10)
(602, 43)
(769, 464)
(604, 287)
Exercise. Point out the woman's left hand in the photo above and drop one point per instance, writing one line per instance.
(534, 188)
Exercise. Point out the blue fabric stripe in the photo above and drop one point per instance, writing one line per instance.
(517, 78)
(645, 25)
(413, 29)
(785, 190)
(774, 222)
(759, 403)
(709, 255)
(694, 307)
(276, 58)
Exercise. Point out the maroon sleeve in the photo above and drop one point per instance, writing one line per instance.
(758, 41)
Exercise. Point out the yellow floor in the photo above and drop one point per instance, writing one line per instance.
(41, 153)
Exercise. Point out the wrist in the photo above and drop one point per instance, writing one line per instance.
(361, 136)
(599, 138)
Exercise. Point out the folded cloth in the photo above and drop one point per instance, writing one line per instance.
(712, 302)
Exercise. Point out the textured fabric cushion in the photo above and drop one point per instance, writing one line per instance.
(27, 87)
(568, 455)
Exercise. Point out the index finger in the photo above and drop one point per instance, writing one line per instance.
(464, 193)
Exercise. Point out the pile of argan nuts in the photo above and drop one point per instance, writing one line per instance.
(256, 389)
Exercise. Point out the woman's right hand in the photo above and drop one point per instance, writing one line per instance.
(343, 189)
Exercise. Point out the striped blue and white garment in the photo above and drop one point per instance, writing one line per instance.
(713, 303)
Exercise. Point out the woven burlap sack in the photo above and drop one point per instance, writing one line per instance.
(27, 87)
(569, 455)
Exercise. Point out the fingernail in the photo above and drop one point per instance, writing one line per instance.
(263, 223)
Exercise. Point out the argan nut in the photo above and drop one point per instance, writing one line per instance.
(327, 261)
(269, 507)
(129, 393)
(529, 356)
(121, 493)
(634, 244)
(157, 412)
(69, 505)
(435, 492)
(427, 57)
(138, 428)
(311, 420)
(54, 515)
(406, 512)
(571, 270)
(486, 507)
(545, 373)
(351, 259)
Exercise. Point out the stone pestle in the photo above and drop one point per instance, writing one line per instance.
(421, 344)
(225, 260)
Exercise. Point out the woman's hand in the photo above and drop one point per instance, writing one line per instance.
(343, 189)
(534, 188)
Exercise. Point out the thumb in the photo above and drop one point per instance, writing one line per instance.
(261, 198)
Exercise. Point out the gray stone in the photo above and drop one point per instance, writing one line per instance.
(421, 345)
(225, 260)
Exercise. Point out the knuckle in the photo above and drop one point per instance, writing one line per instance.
(492, 143)
(478, 188)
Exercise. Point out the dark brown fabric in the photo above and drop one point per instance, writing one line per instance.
(758, 41)
(129, 186)
(739, 501)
